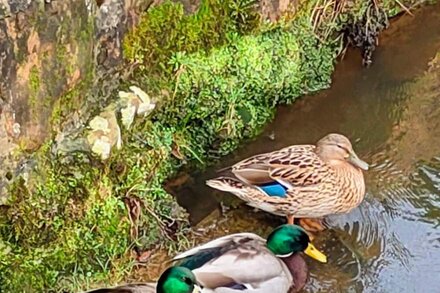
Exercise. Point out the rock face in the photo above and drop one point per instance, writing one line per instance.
(273, 9)
(47, 47)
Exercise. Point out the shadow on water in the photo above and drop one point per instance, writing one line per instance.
(391, 112)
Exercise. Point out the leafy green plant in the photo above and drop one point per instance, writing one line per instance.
(166, 29)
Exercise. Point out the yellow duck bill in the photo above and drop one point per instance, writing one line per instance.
(313, 252)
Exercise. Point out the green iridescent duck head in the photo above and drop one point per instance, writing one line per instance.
(177, 280)
(288, 239)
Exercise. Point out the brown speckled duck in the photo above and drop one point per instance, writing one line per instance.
(303, 181)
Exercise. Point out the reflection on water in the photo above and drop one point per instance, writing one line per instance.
(391, 112)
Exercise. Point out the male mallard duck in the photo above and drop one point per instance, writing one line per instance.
(175, 279)
(304, 181)
(242, 262)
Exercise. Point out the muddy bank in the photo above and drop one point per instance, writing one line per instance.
(72, 217)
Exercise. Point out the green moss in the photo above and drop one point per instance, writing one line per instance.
(166, 29)
(78, 251)
(34, 87)
(68, 103)
(68, 224)
(75, 97)
(228, 88)
(230, 94)
(34, 79)
(62, 223)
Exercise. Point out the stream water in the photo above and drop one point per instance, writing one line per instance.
(391, 113)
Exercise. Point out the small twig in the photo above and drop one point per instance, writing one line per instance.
(404, 7)
(313, 17)
(368, 21)
(178, 73)
(376, 6)
(153, 214)
(140, 203)
(344, 50)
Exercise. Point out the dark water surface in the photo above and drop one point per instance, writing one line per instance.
(391, 113)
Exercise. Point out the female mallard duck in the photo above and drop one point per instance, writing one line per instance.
(242, 262)
(303, 181)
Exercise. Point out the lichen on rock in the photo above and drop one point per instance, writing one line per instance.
(136, 102)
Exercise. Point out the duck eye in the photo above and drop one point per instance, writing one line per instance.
(188, 280)
(343, 148)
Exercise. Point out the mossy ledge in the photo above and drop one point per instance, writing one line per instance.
(220, 72)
